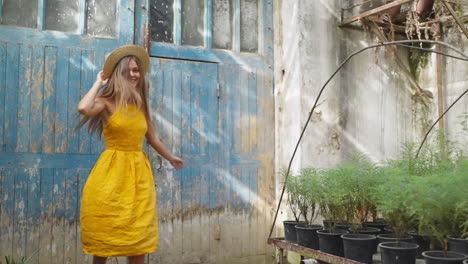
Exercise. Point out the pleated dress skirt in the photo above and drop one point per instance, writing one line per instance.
(118, 208)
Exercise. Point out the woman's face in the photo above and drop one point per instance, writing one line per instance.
(133, 73)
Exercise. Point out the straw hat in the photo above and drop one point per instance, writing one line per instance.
(120, 53)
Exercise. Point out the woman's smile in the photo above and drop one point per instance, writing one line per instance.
(133, 73)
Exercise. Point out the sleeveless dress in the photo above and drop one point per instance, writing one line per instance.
(118, 207)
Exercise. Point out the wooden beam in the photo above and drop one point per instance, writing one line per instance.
(315, 254)
(375, 11)
(457, 19)
(401, 64)
(440, 76)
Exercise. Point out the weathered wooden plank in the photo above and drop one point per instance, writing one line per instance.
(253, 227)
(2, 206)
(20, 225)
(214, 188)
(3, 59)
(47, 209)
(375, 11)
(262, 224)
(236, 224)
(236, 111)
(185, 129)
(6, 215)
(35, 160)
(82, 175)
(253, 115)
(54, 38)
(86, 82)
(266, 101)
(205, 92)
(244, 112)
(263, 191)
(97, 145)
(226, 79)
(186, 191)
(11, 98)
(245, 236)
(166, 129)
(37, 99)
(177, 222)
(34, 213)
(177, 113)
(213, 224)
(159, 49)
(50, 94)
(195, 127)
(204, 175)
(163, 186)
(71, 214)
(57, 217)
(74, 85)
(61, 113)
(315, 254)
(197, 208)
(24, 98)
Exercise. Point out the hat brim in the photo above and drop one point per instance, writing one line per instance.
(128, 50)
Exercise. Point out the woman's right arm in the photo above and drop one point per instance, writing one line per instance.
(90, 105)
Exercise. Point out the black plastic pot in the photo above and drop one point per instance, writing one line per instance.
(342, 226)
(369, 231)
(359, 247)
(459, 245)
(398, 252)
(307, 236)
(379, 225)
(423, 241)
(392, 238)
(443, 257)
(331, 242)
(290, 230)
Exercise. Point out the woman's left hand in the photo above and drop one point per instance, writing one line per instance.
(177, 162)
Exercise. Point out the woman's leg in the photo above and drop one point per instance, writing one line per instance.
(99, 260)
(137, 259)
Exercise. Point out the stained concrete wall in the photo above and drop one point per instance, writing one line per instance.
(367, 107)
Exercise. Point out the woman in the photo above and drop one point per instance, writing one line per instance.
(118, 206)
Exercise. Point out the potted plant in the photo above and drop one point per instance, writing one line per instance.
(309, 196)
(336, 206)
(393, 202)
(441, 207)
(361, 245)
(292, 185)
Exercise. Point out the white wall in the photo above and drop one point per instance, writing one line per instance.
(366, 108)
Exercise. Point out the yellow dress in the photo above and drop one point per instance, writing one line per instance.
(118, 206)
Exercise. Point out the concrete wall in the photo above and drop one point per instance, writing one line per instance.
(367, 107)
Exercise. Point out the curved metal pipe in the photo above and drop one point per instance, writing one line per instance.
(403, 43)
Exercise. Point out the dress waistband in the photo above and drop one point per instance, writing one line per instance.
(125, 149)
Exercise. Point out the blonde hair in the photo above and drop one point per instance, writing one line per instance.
(118, 90)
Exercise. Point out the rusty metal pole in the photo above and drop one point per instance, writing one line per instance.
(440, 76)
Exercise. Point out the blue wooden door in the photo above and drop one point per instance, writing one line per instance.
(50, 54)
(212, 101)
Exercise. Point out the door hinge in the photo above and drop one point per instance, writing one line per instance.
(218, 92)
